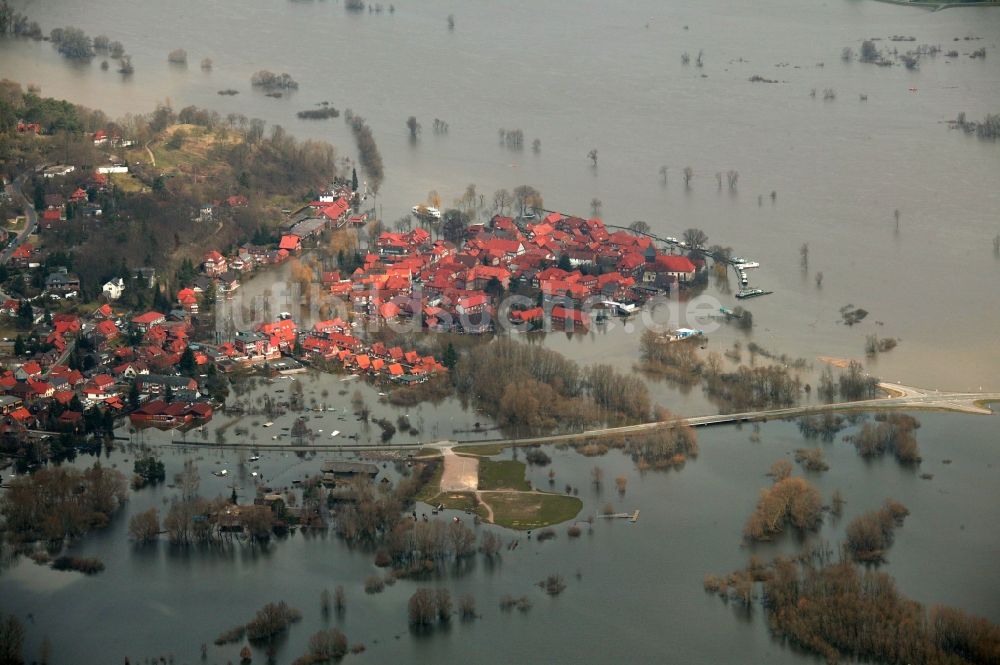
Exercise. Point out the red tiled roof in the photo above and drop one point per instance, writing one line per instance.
(676, 263)
(290, 242)
(148, 318)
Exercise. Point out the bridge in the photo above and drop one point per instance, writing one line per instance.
(898, 397)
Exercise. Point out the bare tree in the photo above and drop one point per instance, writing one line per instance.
(413, 126)
(819, 280)
(685, 58)
(733, 176)
(688, 174)
(536, 145)
(896, 215)
(451, 21)
(502, 200)
(718, 180)
(595, 206)
(144, 527)
(663, 173)
(639, 227)
(695, 238)
(597, 475)
(592, 156)
(804, 256)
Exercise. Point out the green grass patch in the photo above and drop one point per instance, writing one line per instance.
(457, 501)
(428, 452)
(487, 449)
(432, 487)
(531, 510)
(502, 475)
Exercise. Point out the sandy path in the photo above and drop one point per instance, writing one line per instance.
(461, 474)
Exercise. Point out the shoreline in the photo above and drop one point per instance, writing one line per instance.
(938, 6)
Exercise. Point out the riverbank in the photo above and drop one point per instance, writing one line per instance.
(937, 6)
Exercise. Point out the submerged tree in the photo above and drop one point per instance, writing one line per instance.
(413, 126)
(639, 227)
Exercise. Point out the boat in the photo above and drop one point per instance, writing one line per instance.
(220, 473)
(268, 423)
(426, 211)
(254, 458)
(751, 293)
(334, 433)
(746, 265)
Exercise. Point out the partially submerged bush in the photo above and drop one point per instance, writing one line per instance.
(871, 534)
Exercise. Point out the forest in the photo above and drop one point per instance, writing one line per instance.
(532, 389)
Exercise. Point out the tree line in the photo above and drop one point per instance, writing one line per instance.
(368, 154)
(534, 389)
(56, 503)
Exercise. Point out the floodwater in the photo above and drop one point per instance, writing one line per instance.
(605, 76)
(638, 595)
(609, 76)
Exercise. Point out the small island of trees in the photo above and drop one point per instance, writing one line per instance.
(272, 82)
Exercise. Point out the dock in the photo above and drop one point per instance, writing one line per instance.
(631, 517)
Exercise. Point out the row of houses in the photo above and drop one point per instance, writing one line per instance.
(330, 341)
(112, 373)
(566, 261)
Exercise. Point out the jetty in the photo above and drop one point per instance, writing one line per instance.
(631, 517)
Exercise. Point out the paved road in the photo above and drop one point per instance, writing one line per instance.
(900, 398)
(29, 212)
(29, 227)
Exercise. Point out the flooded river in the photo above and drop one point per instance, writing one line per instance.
(605, 76)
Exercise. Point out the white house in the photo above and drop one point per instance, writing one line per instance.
(58, 170)
(114, 288)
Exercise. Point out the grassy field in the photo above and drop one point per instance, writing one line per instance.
(127, 182)
(502, 475)
(428, 452)
(484, 450)
(196, 153)
(432, 487)
(531, 510)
